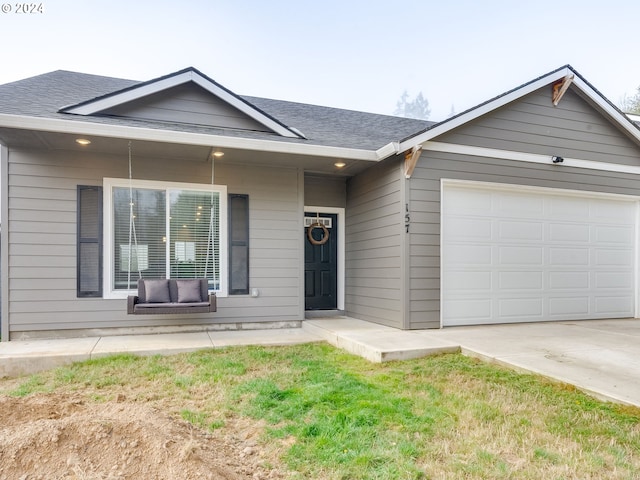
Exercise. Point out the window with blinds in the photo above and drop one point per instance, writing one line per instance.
(194, 236)
(174, 231)
(139, 235)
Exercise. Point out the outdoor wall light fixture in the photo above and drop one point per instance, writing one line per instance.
(557, 159)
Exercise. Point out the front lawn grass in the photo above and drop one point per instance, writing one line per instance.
(331, 415)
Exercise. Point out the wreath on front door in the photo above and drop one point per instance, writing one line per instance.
(325, 234)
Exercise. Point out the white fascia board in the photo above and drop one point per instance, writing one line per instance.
(527, 157)
(483, 109)
(389, 149)
(169, 136)
(633, 117)
(609, 109)
(244, 107)
(129, 95)
(142, 91)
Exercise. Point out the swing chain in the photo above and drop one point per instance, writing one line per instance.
(132, 227)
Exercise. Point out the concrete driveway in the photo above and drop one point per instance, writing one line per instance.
(601, 357)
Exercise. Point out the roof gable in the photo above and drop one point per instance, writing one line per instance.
(187, 103)
(583, 88)
(151, 97)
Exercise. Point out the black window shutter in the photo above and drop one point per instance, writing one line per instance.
(89, 242)
(238, 244)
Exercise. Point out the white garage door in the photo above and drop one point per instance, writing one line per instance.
(535, 255)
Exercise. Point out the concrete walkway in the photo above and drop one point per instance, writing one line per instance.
(30, 356)
(601, 357)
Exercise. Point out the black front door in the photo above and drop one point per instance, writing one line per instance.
(321, 263)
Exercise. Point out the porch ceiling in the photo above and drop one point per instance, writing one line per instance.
(31, 139)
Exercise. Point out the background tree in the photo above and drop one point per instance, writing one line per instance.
(631, 104)
(416, 108)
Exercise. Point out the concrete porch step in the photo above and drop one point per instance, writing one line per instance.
(376, 343)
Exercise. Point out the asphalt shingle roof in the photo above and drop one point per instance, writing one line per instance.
(44, 95)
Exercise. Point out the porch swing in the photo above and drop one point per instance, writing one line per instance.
(157, 296)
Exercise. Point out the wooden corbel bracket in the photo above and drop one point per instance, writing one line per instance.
(559, 88)
(411, 159)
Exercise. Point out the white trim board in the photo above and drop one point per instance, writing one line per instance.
(567, 192)
(340, 212)
(527, 157)
(4, 243)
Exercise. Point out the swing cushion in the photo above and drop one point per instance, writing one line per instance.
(156, 291)
(189, 291)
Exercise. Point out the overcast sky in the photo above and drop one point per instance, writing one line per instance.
(351, 54)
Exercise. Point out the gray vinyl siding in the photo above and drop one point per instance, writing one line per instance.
(425, 189)
(42, 241)
(573, 129)
(190, 104)
(373, 245)
(325, 191)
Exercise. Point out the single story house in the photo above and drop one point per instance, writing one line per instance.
(522, 209)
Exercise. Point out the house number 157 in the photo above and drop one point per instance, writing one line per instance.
(407, 217)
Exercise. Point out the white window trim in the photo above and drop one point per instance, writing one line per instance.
(110, 183)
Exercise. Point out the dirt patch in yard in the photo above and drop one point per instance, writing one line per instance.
(65, 437)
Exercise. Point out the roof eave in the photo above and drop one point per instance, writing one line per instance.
(188, 138)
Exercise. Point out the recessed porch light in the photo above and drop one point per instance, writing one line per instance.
(218, 154)
(83, 141)
(340, 164)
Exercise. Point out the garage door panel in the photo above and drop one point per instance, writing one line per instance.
(568, 280)
(510, 256)
(465, 312)
(616, 235)
(569, 233)
(611, 211)
(518, 206)
(520, 307)
(613, 280)
(469, 228)
(535, 255)
(471, 202)
(528, 231)
(469, 282)
(469, 254)
(614, 306)
(520, 280)
(567, 307)
(559, 257)
(563, 208)
(610, 257)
